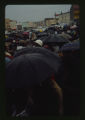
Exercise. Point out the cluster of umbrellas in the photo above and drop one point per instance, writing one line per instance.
(54, 39)
(31, 66)
(35, 64)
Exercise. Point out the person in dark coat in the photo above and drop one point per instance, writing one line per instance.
(68, 79)
(45, 99)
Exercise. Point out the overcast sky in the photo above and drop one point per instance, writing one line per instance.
(23, 13)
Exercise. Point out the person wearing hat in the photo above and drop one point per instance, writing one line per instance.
(38, 43)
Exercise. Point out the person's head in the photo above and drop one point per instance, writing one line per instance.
(38, 43)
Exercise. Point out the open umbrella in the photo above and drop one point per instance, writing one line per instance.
(31, 50)
(42, 34)
(31, 69)
(71, 46)
(64, 35)
(55, 40)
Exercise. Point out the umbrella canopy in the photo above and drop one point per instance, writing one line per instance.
(42, 38)
(30, 69)
(55, 39)
(40, 50)
(64, 35)
(77, 40)
(42, 34)
(71, 46)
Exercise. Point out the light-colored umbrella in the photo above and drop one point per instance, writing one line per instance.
(64, 35)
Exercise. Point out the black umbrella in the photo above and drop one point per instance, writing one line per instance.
(65, 35)
(31, 69)
(55, 39)
(71, 46)
(42, 38)
(40, 50)
(42, 34)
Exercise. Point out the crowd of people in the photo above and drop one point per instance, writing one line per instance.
(43, 72)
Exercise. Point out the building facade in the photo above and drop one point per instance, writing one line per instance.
(50, 21)
(7, 24)
(40, 23)
(64, 18)
(13, 25)
(32, 25)
(10, 24)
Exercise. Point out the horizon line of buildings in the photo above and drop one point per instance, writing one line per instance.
(66, 17)
(13, 24)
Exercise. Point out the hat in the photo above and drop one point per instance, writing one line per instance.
(7, 54)
(39, 42)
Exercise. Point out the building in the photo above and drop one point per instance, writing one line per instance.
(7, 24)
(13, 24)
(10, 24)
(36, 24)
(40, 24)
(64, 18)
(75, 13)
(32, 25)
(50, 21)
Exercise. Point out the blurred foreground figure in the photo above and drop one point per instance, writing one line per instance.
(42, 100)
(30, 89)
(69, 78)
